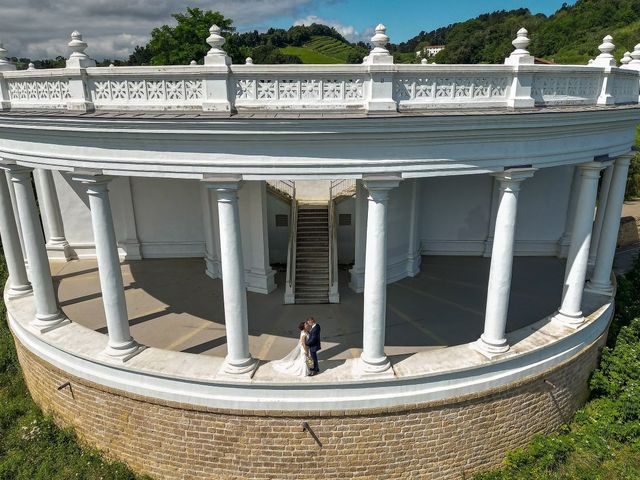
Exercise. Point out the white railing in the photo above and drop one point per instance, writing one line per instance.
(335, 88)
(376, 85)
(286, 188)
(290, 282)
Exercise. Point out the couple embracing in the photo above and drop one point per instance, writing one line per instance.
(302, 361)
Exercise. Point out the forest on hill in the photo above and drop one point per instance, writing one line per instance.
(571, 35)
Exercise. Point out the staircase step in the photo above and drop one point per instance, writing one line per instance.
(313, 301)
(311, 283)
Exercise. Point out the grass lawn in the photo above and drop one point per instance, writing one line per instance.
(32, 447)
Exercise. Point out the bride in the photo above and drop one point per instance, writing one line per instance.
(296, 361)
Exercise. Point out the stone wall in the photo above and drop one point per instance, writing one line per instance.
(438, 440)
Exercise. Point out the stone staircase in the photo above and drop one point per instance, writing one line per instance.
(312, 254)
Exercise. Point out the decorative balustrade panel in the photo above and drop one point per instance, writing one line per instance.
(565, 89)
(52, 92)
(298, 93)
(626, 88)
(439, 89)
(146, 93)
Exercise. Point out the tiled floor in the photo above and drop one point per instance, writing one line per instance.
(173, 305)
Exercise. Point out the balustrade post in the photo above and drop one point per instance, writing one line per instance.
(522, 83)
(76, 66)
(5, 66)
(606, 61)
(379, 65)
(217, 90)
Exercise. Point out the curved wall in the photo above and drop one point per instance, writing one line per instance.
(445, 440)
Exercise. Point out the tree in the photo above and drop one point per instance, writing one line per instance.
(188, 39)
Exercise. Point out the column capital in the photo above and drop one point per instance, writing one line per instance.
(379, 186)
(592, 169)
(511, 178)
(95, 184)
(222, 183)
(15, 169)
(624, 159)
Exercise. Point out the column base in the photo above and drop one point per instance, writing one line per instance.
(376, 366)
(413, 265)
(19, 291)
(124, 352)
(131, 250)
(60, 250)
(356, 280)
(240, 368)
(260, 281)
(212, 267)
(599, 288)
(563, 246)
(490, 349)
(569, 320)
(46, 323)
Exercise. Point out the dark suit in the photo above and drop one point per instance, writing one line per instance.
(313, 342)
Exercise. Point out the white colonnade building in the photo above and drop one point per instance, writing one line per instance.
(492, 164)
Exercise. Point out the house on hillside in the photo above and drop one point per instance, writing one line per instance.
(429, 51)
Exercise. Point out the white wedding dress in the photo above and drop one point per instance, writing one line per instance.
(295, 362)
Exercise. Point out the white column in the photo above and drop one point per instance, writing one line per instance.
(48, 315)
(120, 343)
(259, 276)
(356, 280)
(211, 243)
(570, 311)
(16, 216)
(493, 340)
(565, 240)
(375, 277)
(603, 197)
(18, 282)
(50, 206)
(413, 254)
(601, 278)
(495, 199)
(238, 360)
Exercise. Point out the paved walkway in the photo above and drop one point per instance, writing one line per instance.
(173, 305)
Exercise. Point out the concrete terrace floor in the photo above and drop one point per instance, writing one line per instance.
(173, 305)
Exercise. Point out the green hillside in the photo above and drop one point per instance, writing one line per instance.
(571, 35)
(323, 49)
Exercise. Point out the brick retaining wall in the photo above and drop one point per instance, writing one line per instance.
(438, 440)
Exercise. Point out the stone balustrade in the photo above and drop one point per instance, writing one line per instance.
(376, 85)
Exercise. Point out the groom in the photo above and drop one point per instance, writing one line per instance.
(313, 342)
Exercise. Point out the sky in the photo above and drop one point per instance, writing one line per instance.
(112, 28)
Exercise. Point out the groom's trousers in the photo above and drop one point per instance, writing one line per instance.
(314, 357)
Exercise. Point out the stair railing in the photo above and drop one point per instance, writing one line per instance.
(290, 287)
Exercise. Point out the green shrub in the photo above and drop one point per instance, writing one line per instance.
(603, 439)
